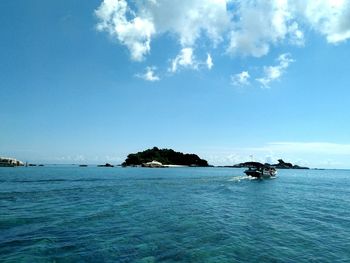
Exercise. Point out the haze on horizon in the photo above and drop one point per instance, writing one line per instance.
(91, 81)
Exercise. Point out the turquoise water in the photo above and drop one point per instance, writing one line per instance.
(72, 214)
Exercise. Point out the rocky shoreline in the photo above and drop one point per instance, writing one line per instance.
(280, 165)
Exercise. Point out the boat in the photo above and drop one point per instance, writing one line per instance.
(259, 170)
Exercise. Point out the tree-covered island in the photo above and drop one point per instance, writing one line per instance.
(164, 156)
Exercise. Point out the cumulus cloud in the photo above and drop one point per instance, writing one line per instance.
(261, 23)
(273, 73)
(329, 17)
(240, 79)
(186, 20)
(149, 74)
(240, 27)
(252, 26)
(133, 31)
(185, 59)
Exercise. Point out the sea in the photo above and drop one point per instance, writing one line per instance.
(95, 214)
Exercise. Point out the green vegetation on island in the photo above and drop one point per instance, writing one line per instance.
(164, 156)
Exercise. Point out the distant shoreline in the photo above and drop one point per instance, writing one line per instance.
(76, 165)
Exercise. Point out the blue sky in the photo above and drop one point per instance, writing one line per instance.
(91, 81)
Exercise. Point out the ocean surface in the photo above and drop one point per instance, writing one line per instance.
(73, 214)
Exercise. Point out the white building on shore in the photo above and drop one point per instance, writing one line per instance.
(153, 164)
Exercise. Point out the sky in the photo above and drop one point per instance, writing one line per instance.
(229, 80)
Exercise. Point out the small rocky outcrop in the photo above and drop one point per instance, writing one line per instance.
(280, 165)
(106, 165)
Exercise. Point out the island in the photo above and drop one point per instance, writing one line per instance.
(156, 157)
(10, 162)
(280, 165)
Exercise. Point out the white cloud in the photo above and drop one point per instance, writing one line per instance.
(209, 62)
(273, 73)
(240, 79)
(132, 31)
(253, 26)
(261, 23)
(185, 59)
(188, 20)
(330, 17)
(296, 35)
(241, 27)
(149, 74)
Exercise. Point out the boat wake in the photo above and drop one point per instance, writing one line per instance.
(249, 178)
(242, 178)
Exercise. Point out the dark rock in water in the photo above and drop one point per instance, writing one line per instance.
(283, 165)
(280, 165)
(83, 165)
(106, 165)
(164, 156)
(41, 165)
